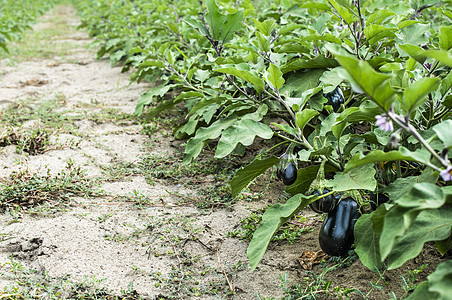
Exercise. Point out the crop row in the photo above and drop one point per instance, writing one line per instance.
(17, 16)
(360, 94)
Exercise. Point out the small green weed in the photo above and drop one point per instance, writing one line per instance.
(34, 141)
(290, 232)
(33, 284)
(25, 189)
(316, 286)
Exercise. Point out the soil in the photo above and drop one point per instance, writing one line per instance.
(157, 248)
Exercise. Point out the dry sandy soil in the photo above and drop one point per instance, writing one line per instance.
(138, 234)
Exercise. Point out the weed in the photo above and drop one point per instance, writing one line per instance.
(27, 189)
(315, 287)
(32, 284)
(34, 141)
(290, 232)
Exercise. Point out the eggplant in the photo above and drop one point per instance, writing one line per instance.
(335, 98)
(287, 170)
(336, 234)
(326, 204)
(288, 175)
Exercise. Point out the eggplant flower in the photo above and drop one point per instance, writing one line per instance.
(384, 122)
(446, 174)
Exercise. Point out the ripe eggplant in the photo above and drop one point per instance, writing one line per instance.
(287, 170)
(336, 234)
(335, 98)
(288, 174)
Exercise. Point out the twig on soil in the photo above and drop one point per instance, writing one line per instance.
(231, 288)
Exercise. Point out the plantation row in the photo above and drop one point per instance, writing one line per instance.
(361, 92)
(15, 17)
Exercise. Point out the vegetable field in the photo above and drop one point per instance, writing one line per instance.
(219, 149)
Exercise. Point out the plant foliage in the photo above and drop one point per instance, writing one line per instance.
(267, 69)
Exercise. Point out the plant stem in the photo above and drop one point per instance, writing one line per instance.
(403, 123)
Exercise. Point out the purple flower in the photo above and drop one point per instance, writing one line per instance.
(446, 174)
(384, 122)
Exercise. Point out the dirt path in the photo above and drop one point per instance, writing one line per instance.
(123, 216)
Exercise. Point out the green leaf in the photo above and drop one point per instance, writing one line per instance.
(444, 245)
(416, 93)
(272, 220)
(422, 292)
(375, 33)
(246, 174)
(361, 178)
(196, 143)
(430, 225)
(445, 38)
(400, 217)
(319, 62)
(197, 24)
(364, 78)
(345, 12)
(244, 74)
(373, 157)
(304, 116)
(222, 26)
(414, 52)
(274, 77)
(414, 34)
(440, 280)
(148, 97)
(401, 186)
(300, 82)
(243, 132)
(442, 130)
(367, 242)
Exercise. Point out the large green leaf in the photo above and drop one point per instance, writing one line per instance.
(304, 116)
(401, 216)
(414, 52)
(300, 82)
(422, 292)
(272, 220)
(373, 157)
(364, 78)
(440, 280)
(242, 73)
(274, 77)
(319, 62)
(243, 132)
(445, 38)
(361, 178)
(344, 11)
(430, 225)
(442, 130)
(375, 33)
(148, 97)
(222, 26)
(401, 186)
(246, 174)
(367, 242)
(196, 143)
(415, 94)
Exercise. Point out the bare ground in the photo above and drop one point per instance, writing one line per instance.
(140, 234)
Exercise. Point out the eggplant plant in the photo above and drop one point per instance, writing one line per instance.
(362, 90)
(15, 18)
